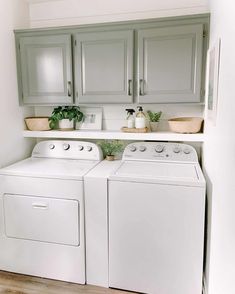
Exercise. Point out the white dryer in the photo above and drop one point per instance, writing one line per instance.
(156, 201)
(42, 211)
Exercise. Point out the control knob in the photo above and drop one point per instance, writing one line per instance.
(187, 151)
(80, 147)
(132, 148)
(52, 146)
(176, 149)
(159, 148)
(66, 146)
(142, 148)
(89, 148)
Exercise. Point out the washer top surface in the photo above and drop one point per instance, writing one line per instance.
(57, 159)
(165, 163)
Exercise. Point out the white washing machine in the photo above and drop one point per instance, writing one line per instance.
(42, 211)
(156, 220)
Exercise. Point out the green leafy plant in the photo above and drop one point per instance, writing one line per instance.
(154, 116)
(65, 112)
(111, 147)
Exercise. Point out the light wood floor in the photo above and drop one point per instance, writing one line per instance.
(19, 284)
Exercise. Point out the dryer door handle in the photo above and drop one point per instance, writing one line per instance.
(40, 205)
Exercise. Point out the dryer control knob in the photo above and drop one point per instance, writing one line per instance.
(187, 150)
(89, 148)
(66, 146)
(176, 149)
(80, 147)
(142, 148)
(52, 146)
(132, 148)
(159, 148)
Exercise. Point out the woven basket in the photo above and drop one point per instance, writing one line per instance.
(37, 123)
(186, 124)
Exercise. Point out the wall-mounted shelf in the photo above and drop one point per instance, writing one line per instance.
(82, 134)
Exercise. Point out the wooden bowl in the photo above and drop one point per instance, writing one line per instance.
(37, 123)
(185, 124)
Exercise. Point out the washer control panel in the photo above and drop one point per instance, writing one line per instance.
(68, 150)
(160, 151)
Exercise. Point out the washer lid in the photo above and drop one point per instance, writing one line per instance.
(160, 172)
(50, 168)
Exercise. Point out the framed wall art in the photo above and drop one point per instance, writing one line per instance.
(92, 119)
(213, 61)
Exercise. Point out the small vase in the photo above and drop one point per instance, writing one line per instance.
(110, 157)
(154, 126)
(66, 125)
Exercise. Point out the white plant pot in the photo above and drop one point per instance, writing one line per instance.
(66, 125)
(153, 126)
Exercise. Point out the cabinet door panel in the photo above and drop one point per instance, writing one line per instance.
(170, 64)
(104, 67)
(46, 69)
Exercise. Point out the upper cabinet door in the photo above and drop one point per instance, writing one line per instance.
(46, 69)
(169, 64)
(104, 67)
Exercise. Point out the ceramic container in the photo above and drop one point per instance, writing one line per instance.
(153, 126)
(66, 125)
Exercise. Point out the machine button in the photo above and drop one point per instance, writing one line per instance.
(52, 146)
(80, 147)
(66, 146)
(142, 148)
(159, 148)
(176, 149)
(132, 148)
(187, 151)
(89, 148)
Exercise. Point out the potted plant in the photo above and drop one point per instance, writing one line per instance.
(154, 118)
(65, 116)
(110, 148)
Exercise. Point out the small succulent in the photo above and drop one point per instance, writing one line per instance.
(65, 112)
(111, 147)
(154, 116)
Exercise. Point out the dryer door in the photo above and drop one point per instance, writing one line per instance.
(42, 219)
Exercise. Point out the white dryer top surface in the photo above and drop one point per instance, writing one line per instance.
(160, 172)
(50, 168)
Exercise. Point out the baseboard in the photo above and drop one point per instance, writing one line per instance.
(204, 286)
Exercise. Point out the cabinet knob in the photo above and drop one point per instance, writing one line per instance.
(69, 89)
(141, 87)
(129, 87)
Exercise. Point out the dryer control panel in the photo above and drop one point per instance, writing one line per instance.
(160, 151)
(68, 149)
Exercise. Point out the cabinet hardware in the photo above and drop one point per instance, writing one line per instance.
(69, 89)
(129, 87)
(141, 87)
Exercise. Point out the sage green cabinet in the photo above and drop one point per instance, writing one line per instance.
(45, 70)
(104, 67)
(142, 61)
(170, 64)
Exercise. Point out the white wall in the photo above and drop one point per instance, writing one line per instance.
(219, 158)
(13, 14)
(69, 12)
(114, 116)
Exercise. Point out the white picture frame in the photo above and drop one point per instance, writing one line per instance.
(212, 81)
(92, 119)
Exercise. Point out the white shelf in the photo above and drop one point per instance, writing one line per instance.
(82, 134)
